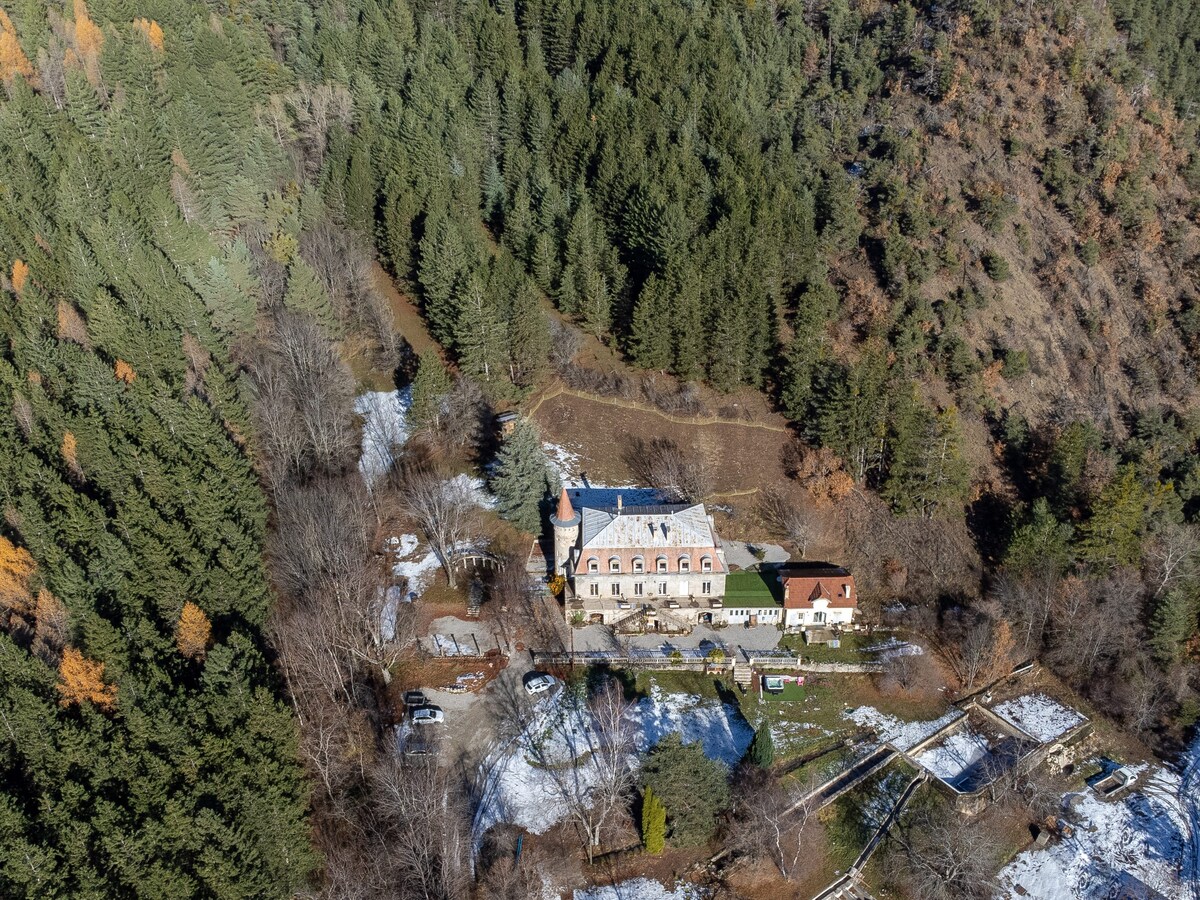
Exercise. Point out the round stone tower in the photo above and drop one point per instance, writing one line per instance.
(565, 522)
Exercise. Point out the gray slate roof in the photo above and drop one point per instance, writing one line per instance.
(647, 527)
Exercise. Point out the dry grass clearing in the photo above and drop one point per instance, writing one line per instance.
(743, 456)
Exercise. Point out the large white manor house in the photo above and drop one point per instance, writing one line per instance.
(661, 562)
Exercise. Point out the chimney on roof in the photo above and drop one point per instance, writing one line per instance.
(618, 504)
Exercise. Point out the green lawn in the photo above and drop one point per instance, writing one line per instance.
(852, 649)
(755, 590)
(791, 693)
(694, 683)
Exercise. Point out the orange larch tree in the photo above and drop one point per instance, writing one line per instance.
(193, 632)
(16, 566)
(70, 453)
(82, 680)
(13, 60)
(88, 36)
(152, 31)
(20, 271)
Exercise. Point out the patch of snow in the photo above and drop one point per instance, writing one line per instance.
(901, 735)
(384, 430)
(952, 757)
(475, 488)
(514, 789)
(642, 889)
(1039, 716)
(417, 569)
(884, 795)
(1143, 836)
(1188, 797)
(719, 727)
(895, 647)
(392, 598)
(563, 462)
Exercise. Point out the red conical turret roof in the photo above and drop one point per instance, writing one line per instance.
(565, 512)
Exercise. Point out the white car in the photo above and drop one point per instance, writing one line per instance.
(538, 683)
(428, 715)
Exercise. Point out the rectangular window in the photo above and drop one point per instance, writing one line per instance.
(685, 565)
(662, 587)
(637, 589)
(638, 567)
(594, 590)
(706, 565)
(593, 566)
(662, 565)
(706, 587)
(614, 565)
(616, 589)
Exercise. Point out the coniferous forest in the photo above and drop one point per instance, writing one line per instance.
(956, 244)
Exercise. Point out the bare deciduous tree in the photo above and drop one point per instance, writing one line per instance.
(770, 820)
(424, 828)
(596, 789)
(974, 647)
(565, 341)
(942, 857)
(444, 508)
(1174, 553)
(680, 475)
(305, 401)
(789, 518)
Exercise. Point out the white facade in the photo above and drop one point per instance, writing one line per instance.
(819, 616)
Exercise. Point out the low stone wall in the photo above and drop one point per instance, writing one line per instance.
(651, 660)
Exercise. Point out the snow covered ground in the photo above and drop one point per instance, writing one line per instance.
(902, 735)
(950, 758)
(894, 647)
(641, 889)
(1145, 836)
(515, 789)
(719, 727)
(1039, 716)
(385, 429)
(565, 463)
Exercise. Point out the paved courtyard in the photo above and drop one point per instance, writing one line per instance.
(741, 554)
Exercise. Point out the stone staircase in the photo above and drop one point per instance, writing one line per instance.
(743, 675)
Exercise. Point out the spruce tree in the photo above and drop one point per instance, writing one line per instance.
(521, 479)
(650, 337)
(761, 751)
(429, 389)
(528, 337)
(306, 294)
(693, 788)
(440, 271)
(479, 335)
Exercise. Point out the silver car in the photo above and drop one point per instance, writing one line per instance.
(428, 715)
(538, 683)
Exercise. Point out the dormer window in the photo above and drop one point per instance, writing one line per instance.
(639, 565)
(706, 564)
(593, 565)
(685, 564)
(614, 565)
(661, 564)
